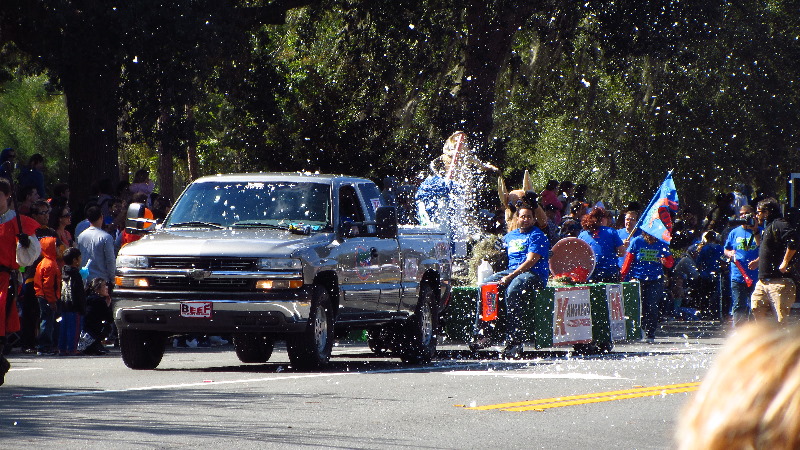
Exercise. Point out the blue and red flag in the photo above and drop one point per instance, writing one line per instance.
(656, 220)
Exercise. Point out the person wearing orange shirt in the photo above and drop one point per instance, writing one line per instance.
(47, 285)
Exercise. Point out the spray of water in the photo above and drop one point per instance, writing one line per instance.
(448, 196)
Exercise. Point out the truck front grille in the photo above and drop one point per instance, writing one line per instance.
(205, 263)
(208, 284)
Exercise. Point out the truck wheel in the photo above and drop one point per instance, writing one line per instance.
(141, 350)
(311, 349)
(253, 347)
(418, 344)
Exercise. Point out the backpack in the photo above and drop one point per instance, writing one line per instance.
(66, 294)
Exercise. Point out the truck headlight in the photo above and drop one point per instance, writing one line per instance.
(132, 262)
(131, 282)
(279, 284)
(280, 264)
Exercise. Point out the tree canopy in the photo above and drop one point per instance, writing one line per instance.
(609, 93)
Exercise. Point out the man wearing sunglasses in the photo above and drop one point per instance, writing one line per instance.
(775, 288)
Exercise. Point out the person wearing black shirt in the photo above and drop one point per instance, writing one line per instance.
(775, 288)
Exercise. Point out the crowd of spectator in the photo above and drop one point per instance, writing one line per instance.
(64, 302)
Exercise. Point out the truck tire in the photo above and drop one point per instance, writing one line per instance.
(311, 348)
(253, 347)
(141, 350)
(418, 343)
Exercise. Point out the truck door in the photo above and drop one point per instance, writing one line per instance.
(389, 276)
(357, 260)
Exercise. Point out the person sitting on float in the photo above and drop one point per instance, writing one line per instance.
(527, 249)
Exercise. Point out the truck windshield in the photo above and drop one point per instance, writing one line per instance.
(253, 204)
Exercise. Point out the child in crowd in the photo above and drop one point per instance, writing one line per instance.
(98, 320)
(73, 298)
(47, 286)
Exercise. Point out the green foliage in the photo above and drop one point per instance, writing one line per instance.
(608, 93)
(710, 94)
(34, 120)
(344, 87)
(376, 67)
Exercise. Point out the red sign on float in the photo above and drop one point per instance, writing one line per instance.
(198, 310)
(489, 294)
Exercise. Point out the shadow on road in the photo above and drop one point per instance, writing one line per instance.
(136, 415)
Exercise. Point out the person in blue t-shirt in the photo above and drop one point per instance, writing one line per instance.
(709, 262)
(606, 244)
(528, 269)
(742, 247)
(645, 262)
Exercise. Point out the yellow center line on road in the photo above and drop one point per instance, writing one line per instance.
(541, 405)
(601, 399)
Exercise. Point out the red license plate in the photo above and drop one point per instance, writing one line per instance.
(199, 310)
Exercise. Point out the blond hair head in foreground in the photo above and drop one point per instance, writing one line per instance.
(750, 398)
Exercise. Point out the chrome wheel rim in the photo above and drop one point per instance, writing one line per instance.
(321, 329)
(426, 323)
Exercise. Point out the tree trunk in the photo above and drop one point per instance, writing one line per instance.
(491, 29)
(166, 150)
(191, 144)
(89, 68)
(93, 110)
(123, 143)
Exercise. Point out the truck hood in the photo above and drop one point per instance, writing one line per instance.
(228, 242)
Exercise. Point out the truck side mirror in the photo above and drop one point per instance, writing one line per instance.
(139, 219)
(386, 222)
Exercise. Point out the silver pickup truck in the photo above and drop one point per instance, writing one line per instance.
(266, 257)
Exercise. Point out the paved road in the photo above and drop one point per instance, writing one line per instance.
(206, 397)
